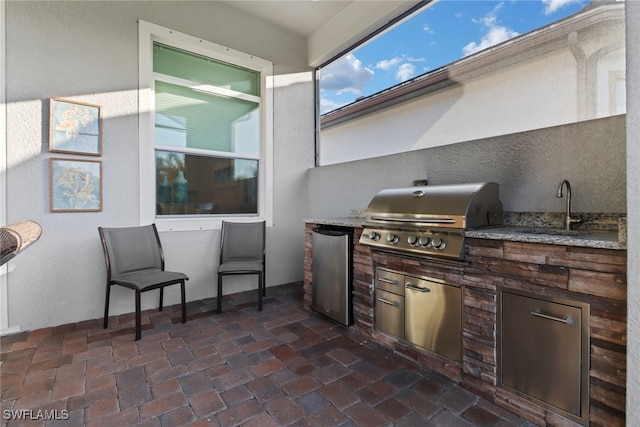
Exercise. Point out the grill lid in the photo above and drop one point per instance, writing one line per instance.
(453, 205)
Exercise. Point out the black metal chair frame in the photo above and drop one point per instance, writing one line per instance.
(261, 273)
(165, 278)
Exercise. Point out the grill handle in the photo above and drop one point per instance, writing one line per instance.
(416, 220)
(385, 280)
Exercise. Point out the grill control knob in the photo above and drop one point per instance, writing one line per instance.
(392, 238)
(373, 235)
(424, 241)
(438, 244)
(412, 240)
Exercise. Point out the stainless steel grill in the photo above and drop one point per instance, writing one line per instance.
(430, 220)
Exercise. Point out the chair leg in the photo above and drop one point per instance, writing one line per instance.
(219, 307)
(105, 323)
(138, 317)
(161, 298)
(260, 290)
(264, 281)
(184, 304)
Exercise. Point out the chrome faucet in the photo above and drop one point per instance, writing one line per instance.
(568, 219)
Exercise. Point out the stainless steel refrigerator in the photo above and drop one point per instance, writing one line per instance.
(332, 273)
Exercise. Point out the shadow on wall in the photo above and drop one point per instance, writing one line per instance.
(408, 131)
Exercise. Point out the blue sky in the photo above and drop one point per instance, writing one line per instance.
(440, 34)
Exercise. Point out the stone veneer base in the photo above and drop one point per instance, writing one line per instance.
(593, 276)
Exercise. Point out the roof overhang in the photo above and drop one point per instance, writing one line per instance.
(329, 26)
(354, 23)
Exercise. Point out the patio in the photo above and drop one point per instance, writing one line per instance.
(281, 366)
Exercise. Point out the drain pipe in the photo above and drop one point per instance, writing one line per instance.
(581, 74)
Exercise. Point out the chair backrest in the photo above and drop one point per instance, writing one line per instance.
(129, 249)
(242, 241)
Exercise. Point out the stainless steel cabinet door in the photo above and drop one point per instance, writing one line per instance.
(389, 281)
(541, 351)
(389, 313)
(434, 317)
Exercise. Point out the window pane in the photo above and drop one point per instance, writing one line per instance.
(190, 118)
(442, 33)
(198, 68)
(197, 185)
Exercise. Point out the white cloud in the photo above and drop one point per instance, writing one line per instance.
(388, 64)
(495, 33)
(405, 71)
(550, 6)
(490, 18)
(402, 67)
(327, 105)
(427, 29)
(346, 75)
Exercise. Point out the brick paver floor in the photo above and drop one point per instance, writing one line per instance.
(282, 366)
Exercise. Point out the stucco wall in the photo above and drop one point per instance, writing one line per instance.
(633, 209)
(527, 165)
(88, 51)
(510, 98)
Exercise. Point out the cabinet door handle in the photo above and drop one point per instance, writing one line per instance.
(386, 301)
(417, 288)
(385, 280)
(566, 319)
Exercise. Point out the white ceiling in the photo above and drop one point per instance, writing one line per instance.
(303, 17)
(330, 26)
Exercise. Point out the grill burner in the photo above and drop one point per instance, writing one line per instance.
(430, 221)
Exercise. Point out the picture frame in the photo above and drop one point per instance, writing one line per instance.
(74, 127)
(75, 185)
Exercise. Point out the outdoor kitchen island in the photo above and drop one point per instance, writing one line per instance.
(589, 272)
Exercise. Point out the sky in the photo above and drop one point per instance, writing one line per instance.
(438, 35)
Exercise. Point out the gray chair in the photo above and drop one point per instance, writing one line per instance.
(135, 260)
(242, 251)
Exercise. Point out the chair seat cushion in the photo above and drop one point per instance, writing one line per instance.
(240, 267)
(143, 280)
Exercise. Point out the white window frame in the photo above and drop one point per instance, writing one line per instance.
(148, 34)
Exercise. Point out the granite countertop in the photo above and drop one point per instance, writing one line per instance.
(603, 239)
(342, 222)
(604, 231)
(597, 230)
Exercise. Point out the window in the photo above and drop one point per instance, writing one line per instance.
(440, 33)
(467, 70)
(205, 132)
